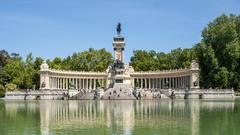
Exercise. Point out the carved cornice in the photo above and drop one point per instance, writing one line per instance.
(164, 73)
(53, 72)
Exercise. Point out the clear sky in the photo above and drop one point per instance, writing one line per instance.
(50, 28)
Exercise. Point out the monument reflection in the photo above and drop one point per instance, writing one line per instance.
(116, 117)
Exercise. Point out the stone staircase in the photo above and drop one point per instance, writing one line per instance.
(153, 94)
(82, 94)
(119, 91)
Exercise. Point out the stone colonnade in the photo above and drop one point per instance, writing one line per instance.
(180, 82)
(79, 83)
(168, 79)
(64, 80)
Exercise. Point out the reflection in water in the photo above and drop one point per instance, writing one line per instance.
(111, 117)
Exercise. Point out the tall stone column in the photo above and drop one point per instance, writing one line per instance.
(101, 82)
(91, 83)
(50, 84)
(145, 82)
(53, 82)
(44, 76)
(185, 82)
(76, 83)
(81, 83)
(57, 82)
(157, 82)
(194, 76)
(61, 80)
(176, 82)
(64, 84)
(160, 83)
(94, 84)
(173, 82)
(67, 83)
(87, 84)
(151, 83)
(180, 80)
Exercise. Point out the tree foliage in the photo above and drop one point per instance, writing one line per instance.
(151, 61)
(24, 74)
(219, 53)
(4, 56)
(2, 90)
(10, 86)
(90, 60)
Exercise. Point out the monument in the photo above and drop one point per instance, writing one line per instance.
(120, 81)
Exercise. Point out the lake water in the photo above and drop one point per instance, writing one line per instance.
(128, 117)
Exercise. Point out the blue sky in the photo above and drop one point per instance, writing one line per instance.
(50, 28)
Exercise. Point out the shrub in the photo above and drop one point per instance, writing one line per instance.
(11, 86)
(2, 91)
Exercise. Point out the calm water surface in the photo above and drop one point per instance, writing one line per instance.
(148, 117)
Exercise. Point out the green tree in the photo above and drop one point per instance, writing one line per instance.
(208, 65)
(4, 77)
(15, 69)
(10, 86)
(36, 77)
(221, 78)
(56, 63)
(152, 61)
(144, 61)
(29, 72)
(4, 56)
(222, 35)
(19, 72)
(2, 90)
(90, 60)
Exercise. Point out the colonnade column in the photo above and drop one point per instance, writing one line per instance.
(150, 81)
(94, 84)
(161, 82)
(102, 83)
